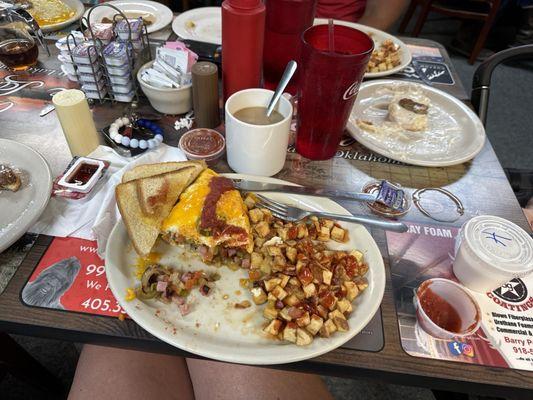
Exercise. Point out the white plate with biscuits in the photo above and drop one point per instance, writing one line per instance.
(25, 187)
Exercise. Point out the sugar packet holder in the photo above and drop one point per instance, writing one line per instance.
(79, 178)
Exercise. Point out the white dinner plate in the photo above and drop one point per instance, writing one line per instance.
(19, 210)
(202, 24)
(455, 134)
(378, 37)
(217, 330)
(159, 13)
(78, 8)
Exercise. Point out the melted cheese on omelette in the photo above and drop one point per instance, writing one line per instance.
(184, 219)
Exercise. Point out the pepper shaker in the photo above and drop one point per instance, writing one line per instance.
(205, 94)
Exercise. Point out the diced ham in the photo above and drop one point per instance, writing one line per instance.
(246, 263)
(231, 252)
(161, 286)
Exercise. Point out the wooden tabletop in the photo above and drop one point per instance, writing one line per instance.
(481, 185)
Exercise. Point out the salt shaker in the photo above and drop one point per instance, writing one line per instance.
(205, 94)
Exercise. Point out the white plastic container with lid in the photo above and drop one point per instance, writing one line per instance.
(490, 251)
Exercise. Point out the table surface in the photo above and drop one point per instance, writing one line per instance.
(481, 185)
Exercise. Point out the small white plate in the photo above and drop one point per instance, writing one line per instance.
(159, 13)
(378, 37)
(217, 330)
(77, 6)
(207, 25)
(448, 117)
(19, 210)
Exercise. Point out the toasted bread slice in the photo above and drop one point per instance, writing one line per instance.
(142, 230)
(146, 170)
(161, 191)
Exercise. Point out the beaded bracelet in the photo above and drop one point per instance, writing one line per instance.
(127, 141)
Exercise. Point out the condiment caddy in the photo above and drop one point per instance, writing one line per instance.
(104, 59)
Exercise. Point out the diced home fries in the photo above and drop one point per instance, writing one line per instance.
(384, 57)
(307, 289)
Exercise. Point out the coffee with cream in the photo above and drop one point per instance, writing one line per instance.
(257, 116)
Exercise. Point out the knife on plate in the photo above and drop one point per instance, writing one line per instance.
(388, 194)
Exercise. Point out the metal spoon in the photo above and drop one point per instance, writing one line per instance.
(285, 79)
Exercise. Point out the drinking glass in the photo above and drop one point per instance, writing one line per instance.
(328, 85)
(285, 22)
(18, 50)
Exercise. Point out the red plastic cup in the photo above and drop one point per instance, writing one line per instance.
(285, 22)
(329, 83)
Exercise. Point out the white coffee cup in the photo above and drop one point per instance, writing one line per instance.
(256, 149)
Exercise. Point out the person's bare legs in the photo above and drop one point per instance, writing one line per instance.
(219, 381)
(110, 373)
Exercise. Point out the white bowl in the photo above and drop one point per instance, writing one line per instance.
(166, 101)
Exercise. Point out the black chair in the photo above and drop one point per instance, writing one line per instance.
(521, 180)
(484, 11)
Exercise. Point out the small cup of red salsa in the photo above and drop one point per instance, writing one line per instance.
(445, 309)
(203, 144)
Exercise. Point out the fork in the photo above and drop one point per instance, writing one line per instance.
(293, 214)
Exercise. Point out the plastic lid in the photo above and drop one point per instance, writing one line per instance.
(68, 97)
(204, 68)
(202, 143)
(500, 243)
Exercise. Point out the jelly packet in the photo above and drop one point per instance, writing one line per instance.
(123, 30)
(79, 178)
(102, 31)
(85, 53)
(116, 53)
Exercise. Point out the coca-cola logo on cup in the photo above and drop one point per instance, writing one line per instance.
(351, 91)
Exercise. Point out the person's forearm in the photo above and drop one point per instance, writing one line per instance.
(382, 14)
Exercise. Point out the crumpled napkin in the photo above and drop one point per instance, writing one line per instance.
(94, 216)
